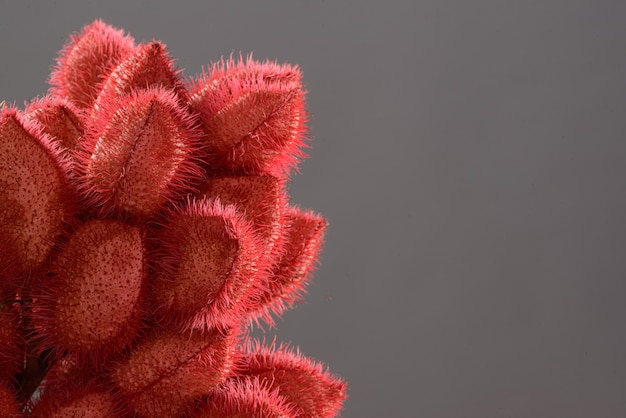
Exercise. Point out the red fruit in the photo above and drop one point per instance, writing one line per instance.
(86, 60)
(92, 296)
(260, 198)
(207, 263)
(305, 235)
(245, 397)
(12, 343)
(72, 399)
(254, 116)
(305, 384)
(168, 370)
(148, 66)
(58, 118)
(35, 198)
(9, 406)
(140, 154)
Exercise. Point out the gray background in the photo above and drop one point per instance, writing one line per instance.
(470, 156)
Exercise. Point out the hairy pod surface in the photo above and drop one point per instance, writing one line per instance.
(86, 60)
(60, 119)
(170, 369)
(9, 406)
(207, 261)
(253, 114)
(70, 399)
(94, 290)
(12, 341)
(140, 154)
(35, 197)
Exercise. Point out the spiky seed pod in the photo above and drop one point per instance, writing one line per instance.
(12, 342)
(170, 369)
(58, 118)
(148, 66)
(91, 301)
(313, 391)
(9, 405)
(35, 197)
(253, 114)
(71, 399)
(140, 154)
(260, 198)
(86, 60)
(208, 263)
(305, 235)
(245, 397)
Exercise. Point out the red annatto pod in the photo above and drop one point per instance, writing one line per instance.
(245, 397)
(168, 370)
(91, 299)
(260, 199)
(253, 114)
(9, 405)
(312, 390)
(36, 200)
(207, 264)
(305, 235)
(149, 66)
(60, 119)
(87, 60)
(92, 399)
(12, 341)
(139, 154)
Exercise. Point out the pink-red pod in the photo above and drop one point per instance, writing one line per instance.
(12, 341)
(58, 118)
(260, 198)
(311, 390)
(35, 196)
(9, 405)
(69, 399)
(140, 154)
(245, 397)
(170, 369)
(91, 299)
(207, 264)
(305, 235)
(253, 114)
(148, 66)
(86, 61)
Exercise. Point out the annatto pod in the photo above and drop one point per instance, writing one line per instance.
(244, 397)
(139, 154)
(12, 343)
(58, 118)
(305, 235)
(260, 199)
(78, 399)
(86, 60)
(311, 390)
(170, 369)
(35, 197)
(9, 406)
(207, 263)
(91, 300)
(253, 114)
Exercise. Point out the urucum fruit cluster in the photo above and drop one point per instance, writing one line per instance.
(145, 224)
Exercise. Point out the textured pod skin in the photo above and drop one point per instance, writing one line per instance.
(311, 390)
(94, 291)
(140, 154)
(208, 263)
(9, 406)
(69, 399)
(35, 197)
(168, 370)
(12, 343)
(60, 119)
(244, 398)
(254, 116)
(87, 60)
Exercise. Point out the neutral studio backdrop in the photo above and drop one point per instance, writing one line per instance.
(471, 159)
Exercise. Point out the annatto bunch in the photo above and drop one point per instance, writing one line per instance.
(144, 225)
